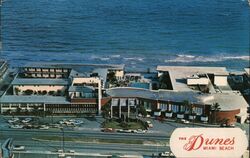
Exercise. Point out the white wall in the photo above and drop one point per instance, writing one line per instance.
(220, 80)
(196, 81)
(119, 74)
(80, 80)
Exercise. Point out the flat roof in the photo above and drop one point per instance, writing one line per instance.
(179, 74)
(194, 70)
(227, 101)
(39, 81)
(33, 99)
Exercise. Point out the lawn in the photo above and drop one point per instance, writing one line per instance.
(133, 125)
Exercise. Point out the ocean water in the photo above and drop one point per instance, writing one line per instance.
(138, 33)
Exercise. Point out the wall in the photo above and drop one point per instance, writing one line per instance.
(80, 80)
(220, 80)
(119, 74)
(230, 115)
(196, 81)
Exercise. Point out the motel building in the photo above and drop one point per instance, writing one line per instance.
(75, 88)
(60, 88)
(201, 87)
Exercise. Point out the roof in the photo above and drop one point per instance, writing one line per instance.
(33, 99)
(39, 81)
(193, 70)
(227, 101)
(163, 95)
(86, 89)
(179, 74)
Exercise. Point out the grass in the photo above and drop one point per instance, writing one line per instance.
(88, 139)
(129, 125)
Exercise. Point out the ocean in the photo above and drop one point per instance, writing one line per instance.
(138, 33)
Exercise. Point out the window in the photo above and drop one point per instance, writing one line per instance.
(182, 108)
(198, 111)
(175, 108)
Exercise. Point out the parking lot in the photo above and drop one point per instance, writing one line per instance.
(93, 123)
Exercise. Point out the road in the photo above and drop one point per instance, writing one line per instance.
(24, 137)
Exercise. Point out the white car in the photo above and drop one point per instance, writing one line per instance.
(16, 126)
(18, 147)
(44, 127)
(77, 122)
(13, 120)
(150, 125)
(185, 121)
(26, 120)
(141, 131)
(165, 154)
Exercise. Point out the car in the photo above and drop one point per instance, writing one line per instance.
(125, 131)
(26, 120)
(13, 120)
(18, 147)
(150, 125)
(165, 154)
(141, 131)
(185, 121)
(77, 122)
(44, 127)
(55, 126)
(108, 130)
(16, 126)
(71, 151)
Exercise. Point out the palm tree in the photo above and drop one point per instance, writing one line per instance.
(215, 108)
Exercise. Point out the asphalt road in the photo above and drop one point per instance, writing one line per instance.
(23, 134)
(24, 137)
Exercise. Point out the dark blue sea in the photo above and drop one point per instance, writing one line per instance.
(138, 33)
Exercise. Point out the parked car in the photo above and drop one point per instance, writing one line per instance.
(185, 121)
(16, 126)
(141, 131)
(125, 131)
(13, 120)
(26, 120)
(150, 125)
(44, 127)
(18, 147)
(165, 154)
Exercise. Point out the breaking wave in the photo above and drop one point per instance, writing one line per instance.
(191, 58)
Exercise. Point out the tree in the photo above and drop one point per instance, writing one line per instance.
(28, 92)
(111, 77)
(142, 110)
(215, 108)
(51, 92)
(17, 90)
(59, 93)
(44, 92)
